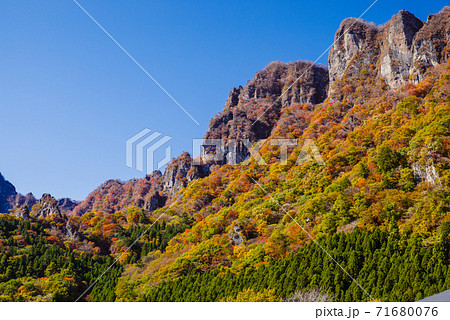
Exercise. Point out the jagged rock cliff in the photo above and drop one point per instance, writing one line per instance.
(180, 172)
(426, 173)
(396, 55)
(235, 235)
(431, 44)
(18, 204)
(355, 47)
(22, 211)
(20, 199)
(401, 50)
(47, 206)
(251, 112)
(10, 200)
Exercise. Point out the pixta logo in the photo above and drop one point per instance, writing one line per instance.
(141, 148)
(230, 150)
(142, 151)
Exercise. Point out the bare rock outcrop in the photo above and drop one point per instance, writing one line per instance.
(251, 112)
(355, 47)
(70, 231)
(235, 235)
(66, 205)
(396, 55)
(22, 211)
(426, 173)
(19, 205)
(431, 44)
(47, 206)
(180, 172)
(19, 201)
(401, 50)
(148, 193)
(365, 60)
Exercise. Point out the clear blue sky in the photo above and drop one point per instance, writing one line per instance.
(70, 98)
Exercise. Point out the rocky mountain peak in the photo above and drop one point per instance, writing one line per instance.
(353, 39)
(7, 190)
(276, 78)
(431, 44)
(20, 204)
(252, 111)
(396, 55)
(45, 207)
(402, 28)
(66, 205)
(401, 50)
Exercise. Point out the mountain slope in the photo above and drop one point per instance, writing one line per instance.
(379, 204)
(385, 142)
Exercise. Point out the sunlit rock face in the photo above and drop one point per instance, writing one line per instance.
(401, 50)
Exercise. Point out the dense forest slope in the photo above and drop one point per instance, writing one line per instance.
(380, 118)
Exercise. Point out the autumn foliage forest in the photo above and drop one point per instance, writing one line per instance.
(379, 206)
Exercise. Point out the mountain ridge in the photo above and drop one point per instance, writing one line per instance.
(393, 51)
(252, 112)
(379, 203)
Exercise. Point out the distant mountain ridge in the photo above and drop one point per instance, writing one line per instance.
(149, 193)
(7, 190)
(13, 202)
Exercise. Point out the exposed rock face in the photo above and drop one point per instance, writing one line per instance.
(22, 211)
(397, 57)
(180, 172)
(154, 201)
(251, 112)
(175, 176)
(274, 79)
(356, 47)
(19, 200)
(47, 206)
(18, 204)
(149, 193)
(70, 231)
(431, 44)
(7, 190)
(401, 50)
(242, 109)
(235, 235)
(426, 173)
